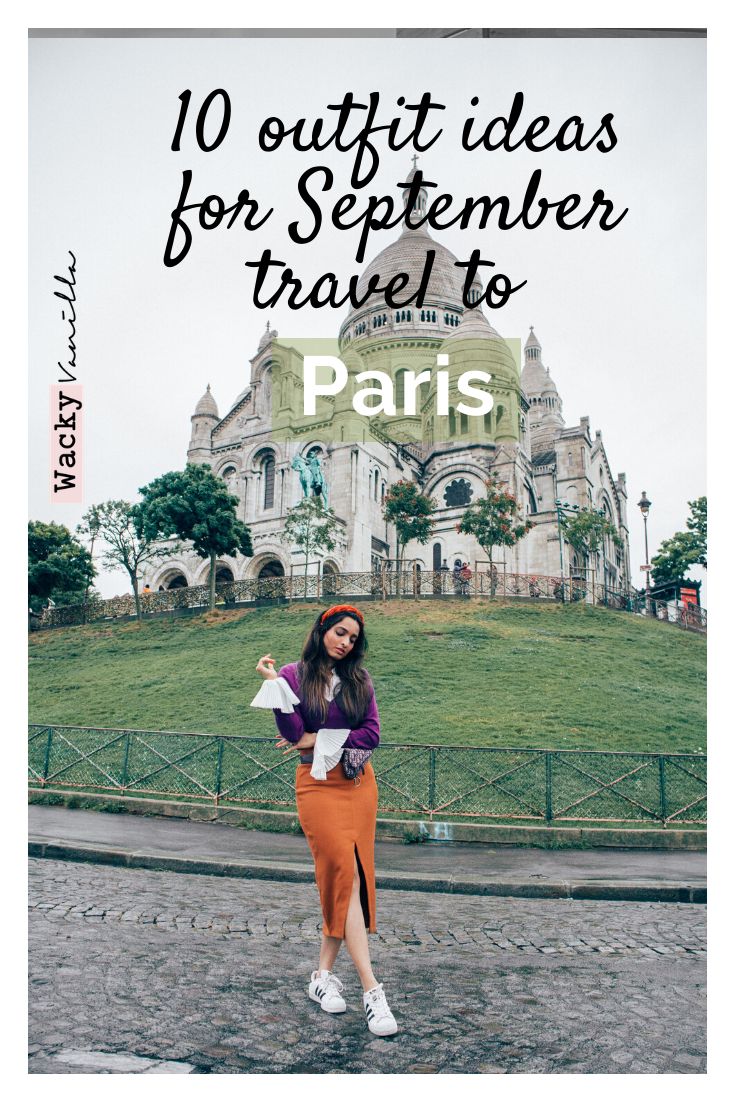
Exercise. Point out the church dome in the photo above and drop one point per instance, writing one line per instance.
(206, 406)
(408, 254)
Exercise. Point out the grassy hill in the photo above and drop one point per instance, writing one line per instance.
(472, 673)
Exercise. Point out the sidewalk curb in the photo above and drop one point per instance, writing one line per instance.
(629, 891)
(400, 830)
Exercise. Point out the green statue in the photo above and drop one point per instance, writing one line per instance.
(318, 482)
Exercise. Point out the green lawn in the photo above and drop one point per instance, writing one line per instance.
(457, 672)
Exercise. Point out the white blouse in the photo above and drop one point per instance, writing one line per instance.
(277, 693)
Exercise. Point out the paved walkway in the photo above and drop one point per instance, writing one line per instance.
(166, 972)
(467, 869)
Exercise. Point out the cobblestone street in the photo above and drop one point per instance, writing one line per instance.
(182, 973)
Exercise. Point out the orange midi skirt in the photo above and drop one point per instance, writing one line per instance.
(338, 819)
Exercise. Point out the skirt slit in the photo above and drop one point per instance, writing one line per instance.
(364, 899)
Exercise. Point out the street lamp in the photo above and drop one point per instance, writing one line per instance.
(645, 505)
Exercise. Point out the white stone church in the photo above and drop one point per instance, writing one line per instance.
(524, 440)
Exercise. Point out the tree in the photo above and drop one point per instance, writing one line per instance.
(494, 521)
(410, 511)
(58, 566)
(194, 505)
(585, 531)
(312, 529)
(684, 549)
(697, 525)
(114, 523)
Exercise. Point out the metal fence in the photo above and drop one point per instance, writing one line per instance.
(423, 781)
(381, 584)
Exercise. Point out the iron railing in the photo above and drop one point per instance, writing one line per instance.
(422, 781)
(377, 585)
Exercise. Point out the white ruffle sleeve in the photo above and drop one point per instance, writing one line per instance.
(275, 694)
(327, 750)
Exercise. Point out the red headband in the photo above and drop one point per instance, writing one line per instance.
(342, 608)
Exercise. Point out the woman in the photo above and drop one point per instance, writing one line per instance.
(324, 705)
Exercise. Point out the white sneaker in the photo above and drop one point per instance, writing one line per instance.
(379, 1018)
(325, 989)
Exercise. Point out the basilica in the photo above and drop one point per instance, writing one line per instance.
(524, 440)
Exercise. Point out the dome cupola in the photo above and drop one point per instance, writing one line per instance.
(268, 336)
(442, 282)
(203, 420)
(418, 210)
(206, 406)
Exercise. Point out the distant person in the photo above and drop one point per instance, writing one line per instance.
(147, 588)
(456, 578)
(324, 707)
(465, 575)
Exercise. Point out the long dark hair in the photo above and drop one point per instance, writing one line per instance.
(315, 673)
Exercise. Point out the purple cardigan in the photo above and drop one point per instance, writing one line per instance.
(293, 724)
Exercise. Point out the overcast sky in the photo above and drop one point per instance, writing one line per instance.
(620, 315)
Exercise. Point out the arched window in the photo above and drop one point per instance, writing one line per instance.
(268, 469)
(375, 488)
(272, 569)
(437, 556)
(400, 388)
(452, 421)
(488, 423)
(229, 474)
(464, 423)
(177, 581)
(422, 396)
